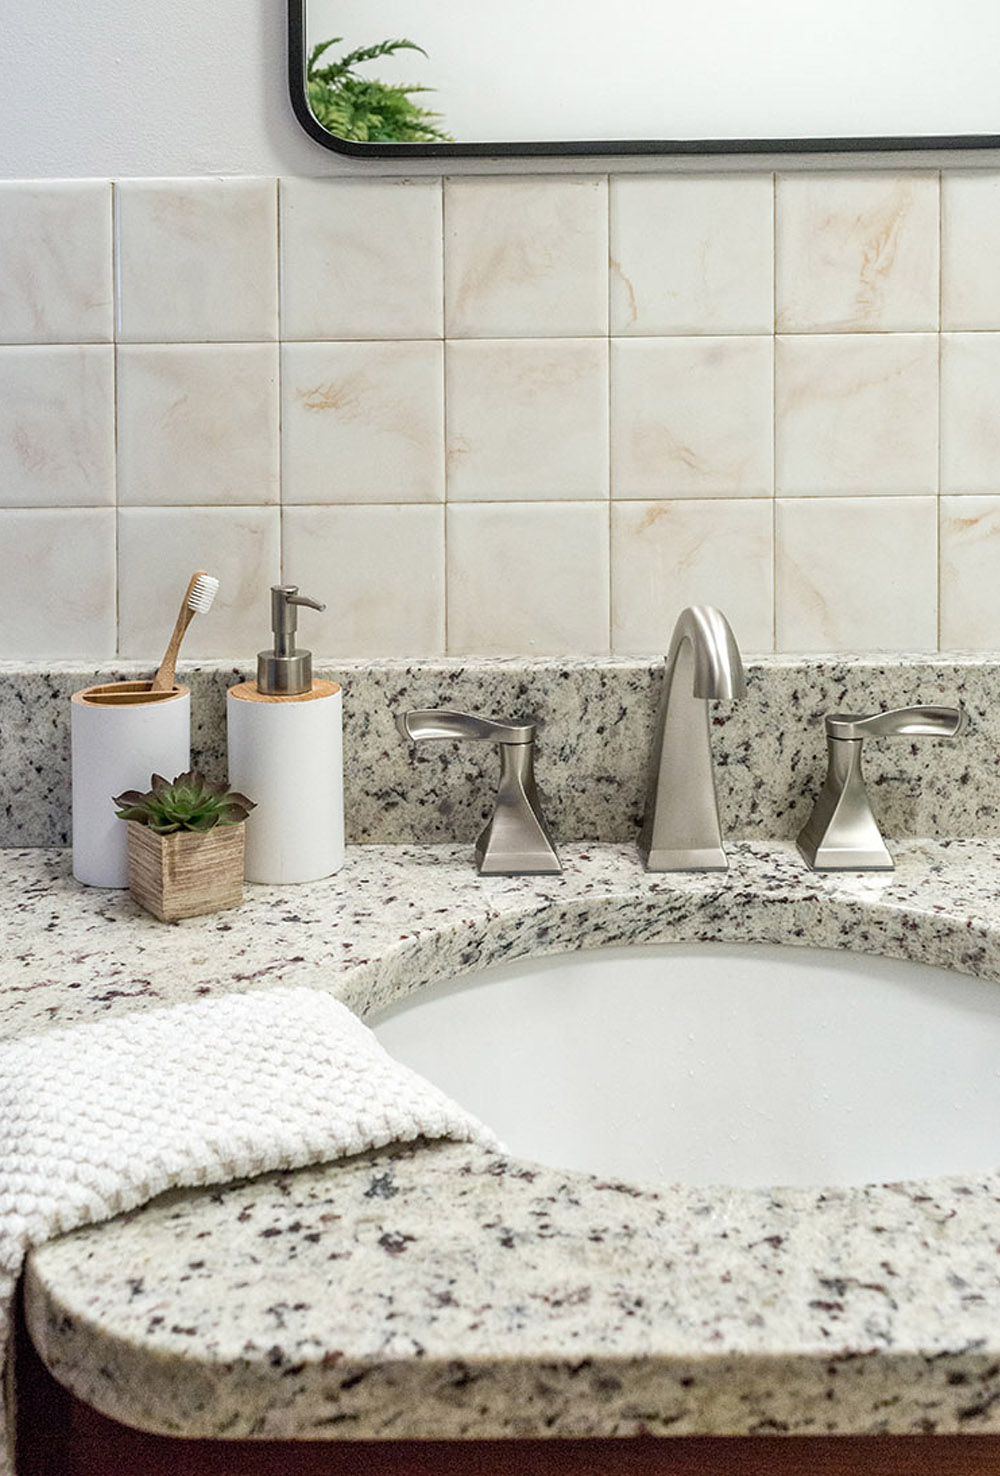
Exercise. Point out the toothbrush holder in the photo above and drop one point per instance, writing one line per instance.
(117, 745)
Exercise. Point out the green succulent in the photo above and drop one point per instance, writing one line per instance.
(189, 802)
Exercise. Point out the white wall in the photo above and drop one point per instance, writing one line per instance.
(101, 89)
(98, 88)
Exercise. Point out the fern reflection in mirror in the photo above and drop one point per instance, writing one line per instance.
(366, 109)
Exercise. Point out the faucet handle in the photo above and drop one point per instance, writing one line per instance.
(899, 722)
(424, 724)
(515, 840)
(842, 833)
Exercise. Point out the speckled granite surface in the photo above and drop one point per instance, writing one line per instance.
(596, 718)
(441, 1291)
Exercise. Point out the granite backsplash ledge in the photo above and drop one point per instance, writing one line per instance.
(596, 719)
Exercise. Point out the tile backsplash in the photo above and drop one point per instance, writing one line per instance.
(520, 415)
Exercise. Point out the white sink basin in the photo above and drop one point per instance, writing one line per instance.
(719, 1064)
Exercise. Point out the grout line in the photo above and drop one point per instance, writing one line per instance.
(774, 412)
(940, 348)
(445, 503)
(279, 273)
(607, 412)
(116, 309)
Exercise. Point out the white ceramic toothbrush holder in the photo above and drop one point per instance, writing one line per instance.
(117, 745)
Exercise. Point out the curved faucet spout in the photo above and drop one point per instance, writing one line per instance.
(718, 666)
(680, 830)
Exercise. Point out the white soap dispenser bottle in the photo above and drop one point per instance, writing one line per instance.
(286, 754)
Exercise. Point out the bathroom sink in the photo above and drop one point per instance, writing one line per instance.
(747, 1065)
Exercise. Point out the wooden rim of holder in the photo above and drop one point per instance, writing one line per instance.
(125, 694)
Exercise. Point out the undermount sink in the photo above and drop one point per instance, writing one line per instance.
(746, 1065)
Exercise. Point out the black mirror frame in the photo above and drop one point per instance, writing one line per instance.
(665, 147)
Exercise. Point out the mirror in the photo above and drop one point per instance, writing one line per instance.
(447, 78)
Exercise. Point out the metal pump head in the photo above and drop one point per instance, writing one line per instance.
(284, 671)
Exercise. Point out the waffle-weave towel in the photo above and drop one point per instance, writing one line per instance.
(98, 1118)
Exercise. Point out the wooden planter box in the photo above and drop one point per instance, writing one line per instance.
(185, 874)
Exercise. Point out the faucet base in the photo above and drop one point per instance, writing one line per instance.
(828, 858)
(512, 864)
(709, 858)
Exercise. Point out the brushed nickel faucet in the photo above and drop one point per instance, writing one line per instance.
(680, 830)
(515, 840)
(842, 833)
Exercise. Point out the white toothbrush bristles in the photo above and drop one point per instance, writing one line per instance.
(203, 592)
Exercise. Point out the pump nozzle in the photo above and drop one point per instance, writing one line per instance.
(284, 671)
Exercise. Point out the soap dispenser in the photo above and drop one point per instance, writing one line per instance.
(286, 754)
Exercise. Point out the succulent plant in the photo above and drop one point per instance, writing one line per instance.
(189, 802)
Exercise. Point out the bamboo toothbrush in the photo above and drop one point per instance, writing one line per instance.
(201, 591)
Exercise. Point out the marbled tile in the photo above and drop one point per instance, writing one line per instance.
(856, 414)
(57, 426)
(197, 423)
(970, 558)
(526, 256)
(857, 252)
(666, 555)
(57, 598)
(527, 419)
(55, 261)
(528, 577)
(970, 245)
(158, 551)
(970, 412)
(692, 254)
(691, 417)
(362, 422)
(380, 572)
(361, 258)
(856, 573)
(197, 260)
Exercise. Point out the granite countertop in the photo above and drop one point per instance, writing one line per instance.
(440, 1290)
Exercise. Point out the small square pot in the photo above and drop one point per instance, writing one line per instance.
(185, 874)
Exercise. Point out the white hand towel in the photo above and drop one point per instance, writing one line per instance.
(98, 1118)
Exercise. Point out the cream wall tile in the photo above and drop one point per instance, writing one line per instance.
(526, 256)
(970, 249)
(158, 551)
(970, 558)
(857, 574)
(362, 422)
(528, 578)
(57, 598)
(527, 418)
(691, 417)
(857, 252)
(380, 571)
(856, 414)
(666, 555)
(692, 255)
(361, 258)
(57, 426)
(197, 260)
(197, 423)
(970, 412)
(55, 261)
